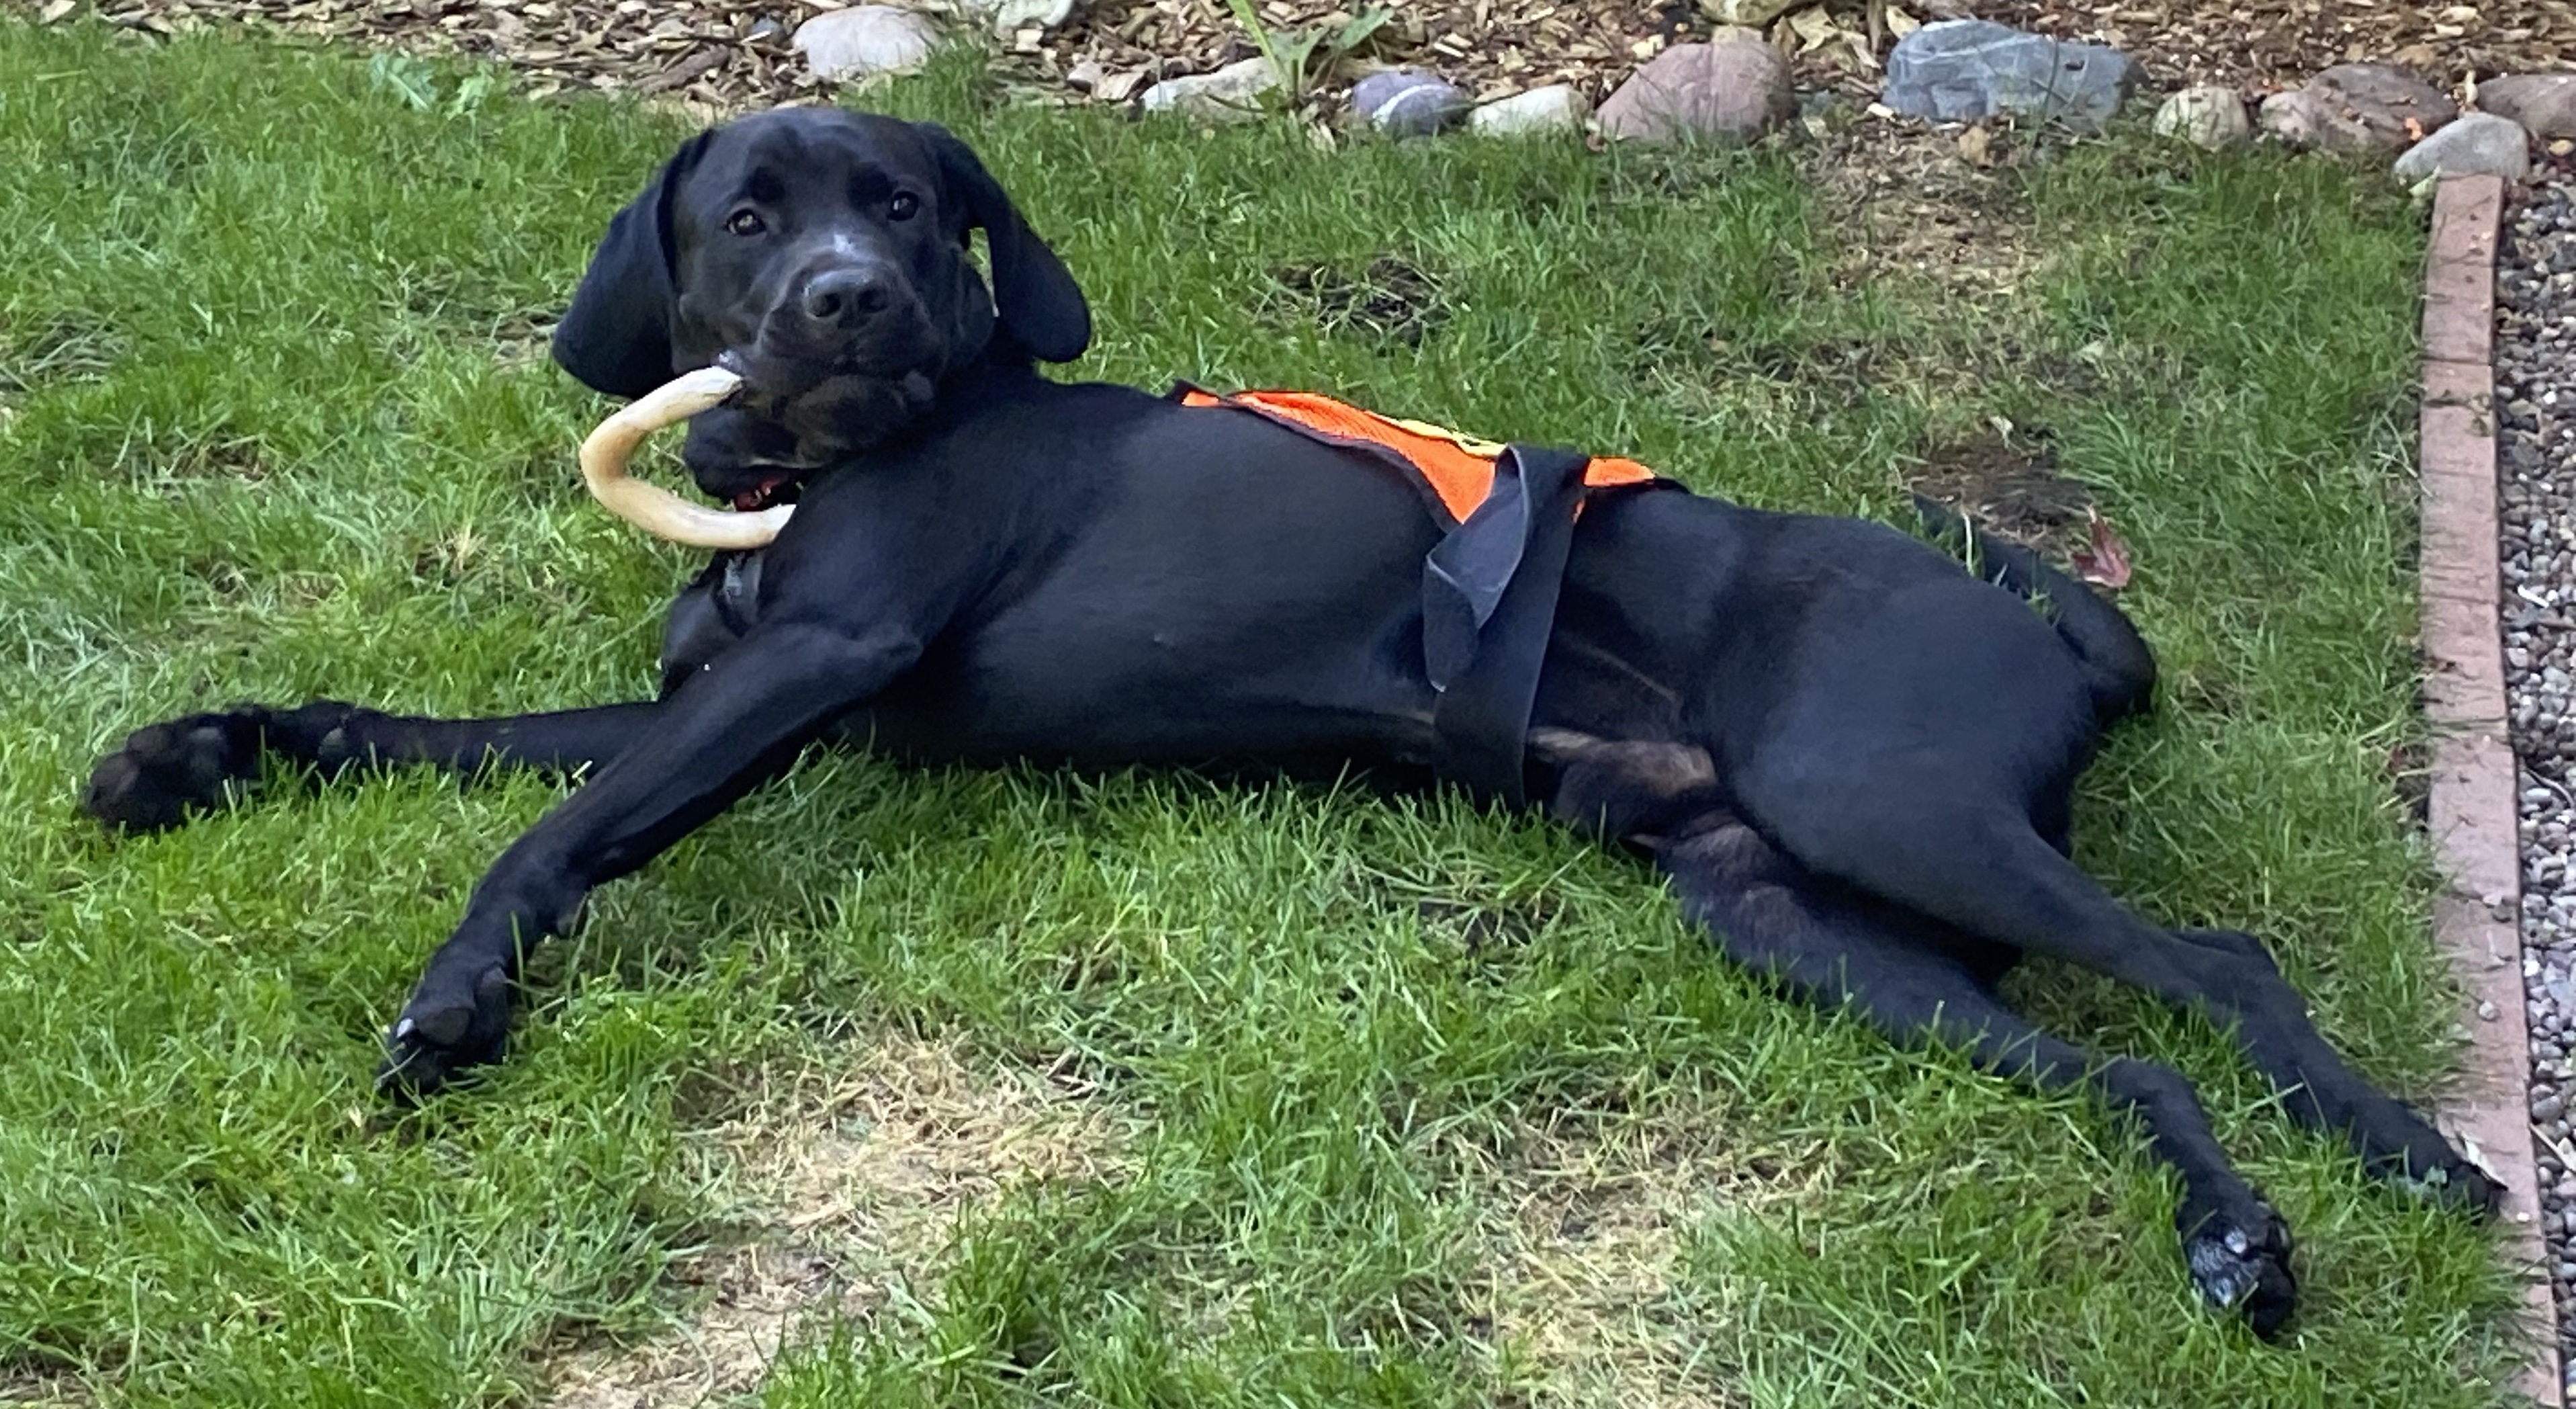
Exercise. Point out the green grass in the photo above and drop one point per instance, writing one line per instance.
(271, 430)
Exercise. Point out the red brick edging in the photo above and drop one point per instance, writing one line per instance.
(2473, 814)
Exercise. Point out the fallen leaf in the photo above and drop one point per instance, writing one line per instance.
(2106, 563)
(1976, 146)
(55, 11)
(1901, 24)
(1814, 28)
(2414, 130)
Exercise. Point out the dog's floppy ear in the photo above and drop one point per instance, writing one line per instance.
(1040, 305)
(616, 337)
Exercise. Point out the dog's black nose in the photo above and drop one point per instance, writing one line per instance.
(843, 297)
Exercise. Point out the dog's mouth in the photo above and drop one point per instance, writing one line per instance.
(773, 490)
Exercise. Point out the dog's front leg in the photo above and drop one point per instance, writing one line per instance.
(718, 736)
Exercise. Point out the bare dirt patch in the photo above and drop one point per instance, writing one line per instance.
(35, 1385)
(2008, 483)
(1944, 210)
(846, 1186)
(1389, 300)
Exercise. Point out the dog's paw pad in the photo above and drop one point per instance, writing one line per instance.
(166, 771)
(442, 1034)
(2242, 1264)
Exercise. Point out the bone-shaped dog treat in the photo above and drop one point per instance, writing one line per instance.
(650, 507)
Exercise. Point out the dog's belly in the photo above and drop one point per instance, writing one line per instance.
(1179, 658)
(1152, 678)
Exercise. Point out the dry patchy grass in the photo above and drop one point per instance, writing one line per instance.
(1587, 1219)
(846, 1185)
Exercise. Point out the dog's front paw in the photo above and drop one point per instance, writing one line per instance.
(2240, 1261)
(448, 1027)
(169, 770)
(199, 762)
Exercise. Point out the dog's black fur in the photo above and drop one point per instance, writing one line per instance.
(1852, 758)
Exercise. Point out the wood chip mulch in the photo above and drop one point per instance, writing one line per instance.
(717, 56)
(2263, 45)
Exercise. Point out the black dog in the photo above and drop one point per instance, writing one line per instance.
(1853, 759)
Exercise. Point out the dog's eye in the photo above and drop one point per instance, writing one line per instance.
(902, 206)
(745, 222)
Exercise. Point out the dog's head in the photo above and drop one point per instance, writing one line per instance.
(823, 255)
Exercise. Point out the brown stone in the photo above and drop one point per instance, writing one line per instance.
(2544, 103)
(2358, 108)
(1729, 90)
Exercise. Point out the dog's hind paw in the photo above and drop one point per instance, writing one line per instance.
(169, 770)
(2439, 1173)
(2242, 1263)
(445, 1030)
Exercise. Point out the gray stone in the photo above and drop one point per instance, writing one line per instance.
(2210, 116)
(1408, 102)
(2358, 108)
(1965, 70)
(1730, 90)
(2534, 358)
(2478, 144)
(1555, 108)
(865, 40)
(2544, 103)
(1231, 94)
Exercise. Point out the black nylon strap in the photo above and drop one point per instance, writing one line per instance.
(1489, 593)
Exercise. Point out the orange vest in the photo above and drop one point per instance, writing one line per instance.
(1459, 469)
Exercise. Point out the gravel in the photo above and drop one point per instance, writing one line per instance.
(2536, 453)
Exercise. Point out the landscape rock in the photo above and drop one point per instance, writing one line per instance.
(1730, 90)
(1965, 70)
(2477, 144)
(1408, 102)
(2544, 103)
(2209, 116)
(866, 39)
(1555, 108)
(2358, 108)
(1231, 94)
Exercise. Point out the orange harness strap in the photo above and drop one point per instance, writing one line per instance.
(1460, 469)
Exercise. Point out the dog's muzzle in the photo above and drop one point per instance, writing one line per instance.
(657, 511)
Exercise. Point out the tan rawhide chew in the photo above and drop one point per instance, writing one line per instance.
(650, 507)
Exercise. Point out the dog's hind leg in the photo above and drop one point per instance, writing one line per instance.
(1907, 978)
(164, 772)
(1935, 847)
